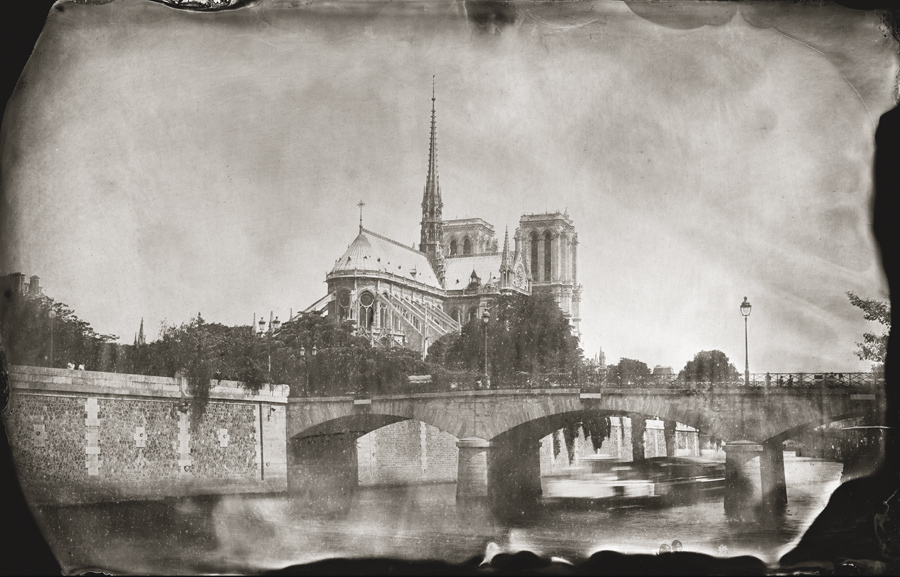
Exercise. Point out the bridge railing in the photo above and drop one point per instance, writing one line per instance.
(450, 381)
(463, 380)
(757, 380)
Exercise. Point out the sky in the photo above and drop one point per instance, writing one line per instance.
(158, 163)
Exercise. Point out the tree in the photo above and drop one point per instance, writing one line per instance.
(526, 335)
(628, 372)
(874, 346)
(709, 367)
(26, 328)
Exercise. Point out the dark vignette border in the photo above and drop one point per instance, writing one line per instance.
(24, 551)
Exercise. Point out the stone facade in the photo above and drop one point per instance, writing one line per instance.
(79, 436)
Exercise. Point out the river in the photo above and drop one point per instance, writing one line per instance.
(246, 533)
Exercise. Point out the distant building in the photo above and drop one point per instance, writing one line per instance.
(660, 370)
(15, 283)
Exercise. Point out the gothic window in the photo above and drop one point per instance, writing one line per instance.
(343, 299)
(366, 310)
(473, 313)
(453, 247)
(467, 246)
(535, 271)
(548, 242)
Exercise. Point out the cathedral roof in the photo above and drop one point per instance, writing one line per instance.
(459, 269)
(372, 252)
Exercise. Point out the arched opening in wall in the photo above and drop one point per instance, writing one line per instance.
(608, 451)
(473, 314)
(535, 270)
(548, 256)
(408, 452)
(467, 246)
(839, 448)
(454, 314)
(374, 450)
(453, 247)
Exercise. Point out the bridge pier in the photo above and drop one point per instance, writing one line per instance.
(505, 474)
(638, 427)
(514, 476)
(743, 487)
(771, 468)
(669, 432)
(323, 470)
(472, 470)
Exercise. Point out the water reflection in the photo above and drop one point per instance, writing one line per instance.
(249, 533)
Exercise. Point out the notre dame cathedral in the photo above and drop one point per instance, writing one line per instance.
(399, 296)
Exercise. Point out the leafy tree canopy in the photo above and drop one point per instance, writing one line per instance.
(709, 367)
(628, 372)
(874, 346)
(525, 335)
(26, 326)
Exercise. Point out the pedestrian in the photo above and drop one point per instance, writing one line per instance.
(676, 546)
(71, 366)
(663, 549)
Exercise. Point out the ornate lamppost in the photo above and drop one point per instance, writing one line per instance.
(306, 366)
(52, 326)
(485, 317)
(745, 310)
(273, 326)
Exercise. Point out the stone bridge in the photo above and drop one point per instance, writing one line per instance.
(500, 431)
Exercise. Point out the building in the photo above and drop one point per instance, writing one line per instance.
(15, 283)
(402, 296)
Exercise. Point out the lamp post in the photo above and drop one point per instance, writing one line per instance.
(745, 310)
(273, 326)
(306, 366)
(485, 317)
(52, 325)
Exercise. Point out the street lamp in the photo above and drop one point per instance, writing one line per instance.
(273, 326)
(306, 365)
(485, 317)
(745, 310)
(52, 323)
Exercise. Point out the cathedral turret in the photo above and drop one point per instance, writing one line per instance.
(432, 206)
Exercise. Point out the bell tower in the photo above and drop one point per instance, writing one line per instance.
(432, 206)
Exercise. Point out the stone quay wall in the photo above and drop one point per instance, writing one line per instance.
(407, 452)
(86, 436)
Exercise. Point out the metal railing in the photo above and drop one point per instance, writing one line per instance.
(463, 380)
(452, 381)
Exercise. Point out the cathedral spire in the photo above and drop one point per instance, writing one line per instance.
(140, 340)
(432, 235)
(504, 262)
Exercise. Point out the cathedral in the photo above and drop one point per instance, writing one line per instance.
(399, 296)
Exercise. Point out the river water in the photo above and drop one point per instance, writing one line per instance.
(243, 533)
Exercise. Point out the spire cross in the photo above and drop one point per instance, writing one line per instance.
(360, 204)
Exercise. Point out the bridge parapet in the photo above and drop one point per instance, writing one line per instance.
(453, 381)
